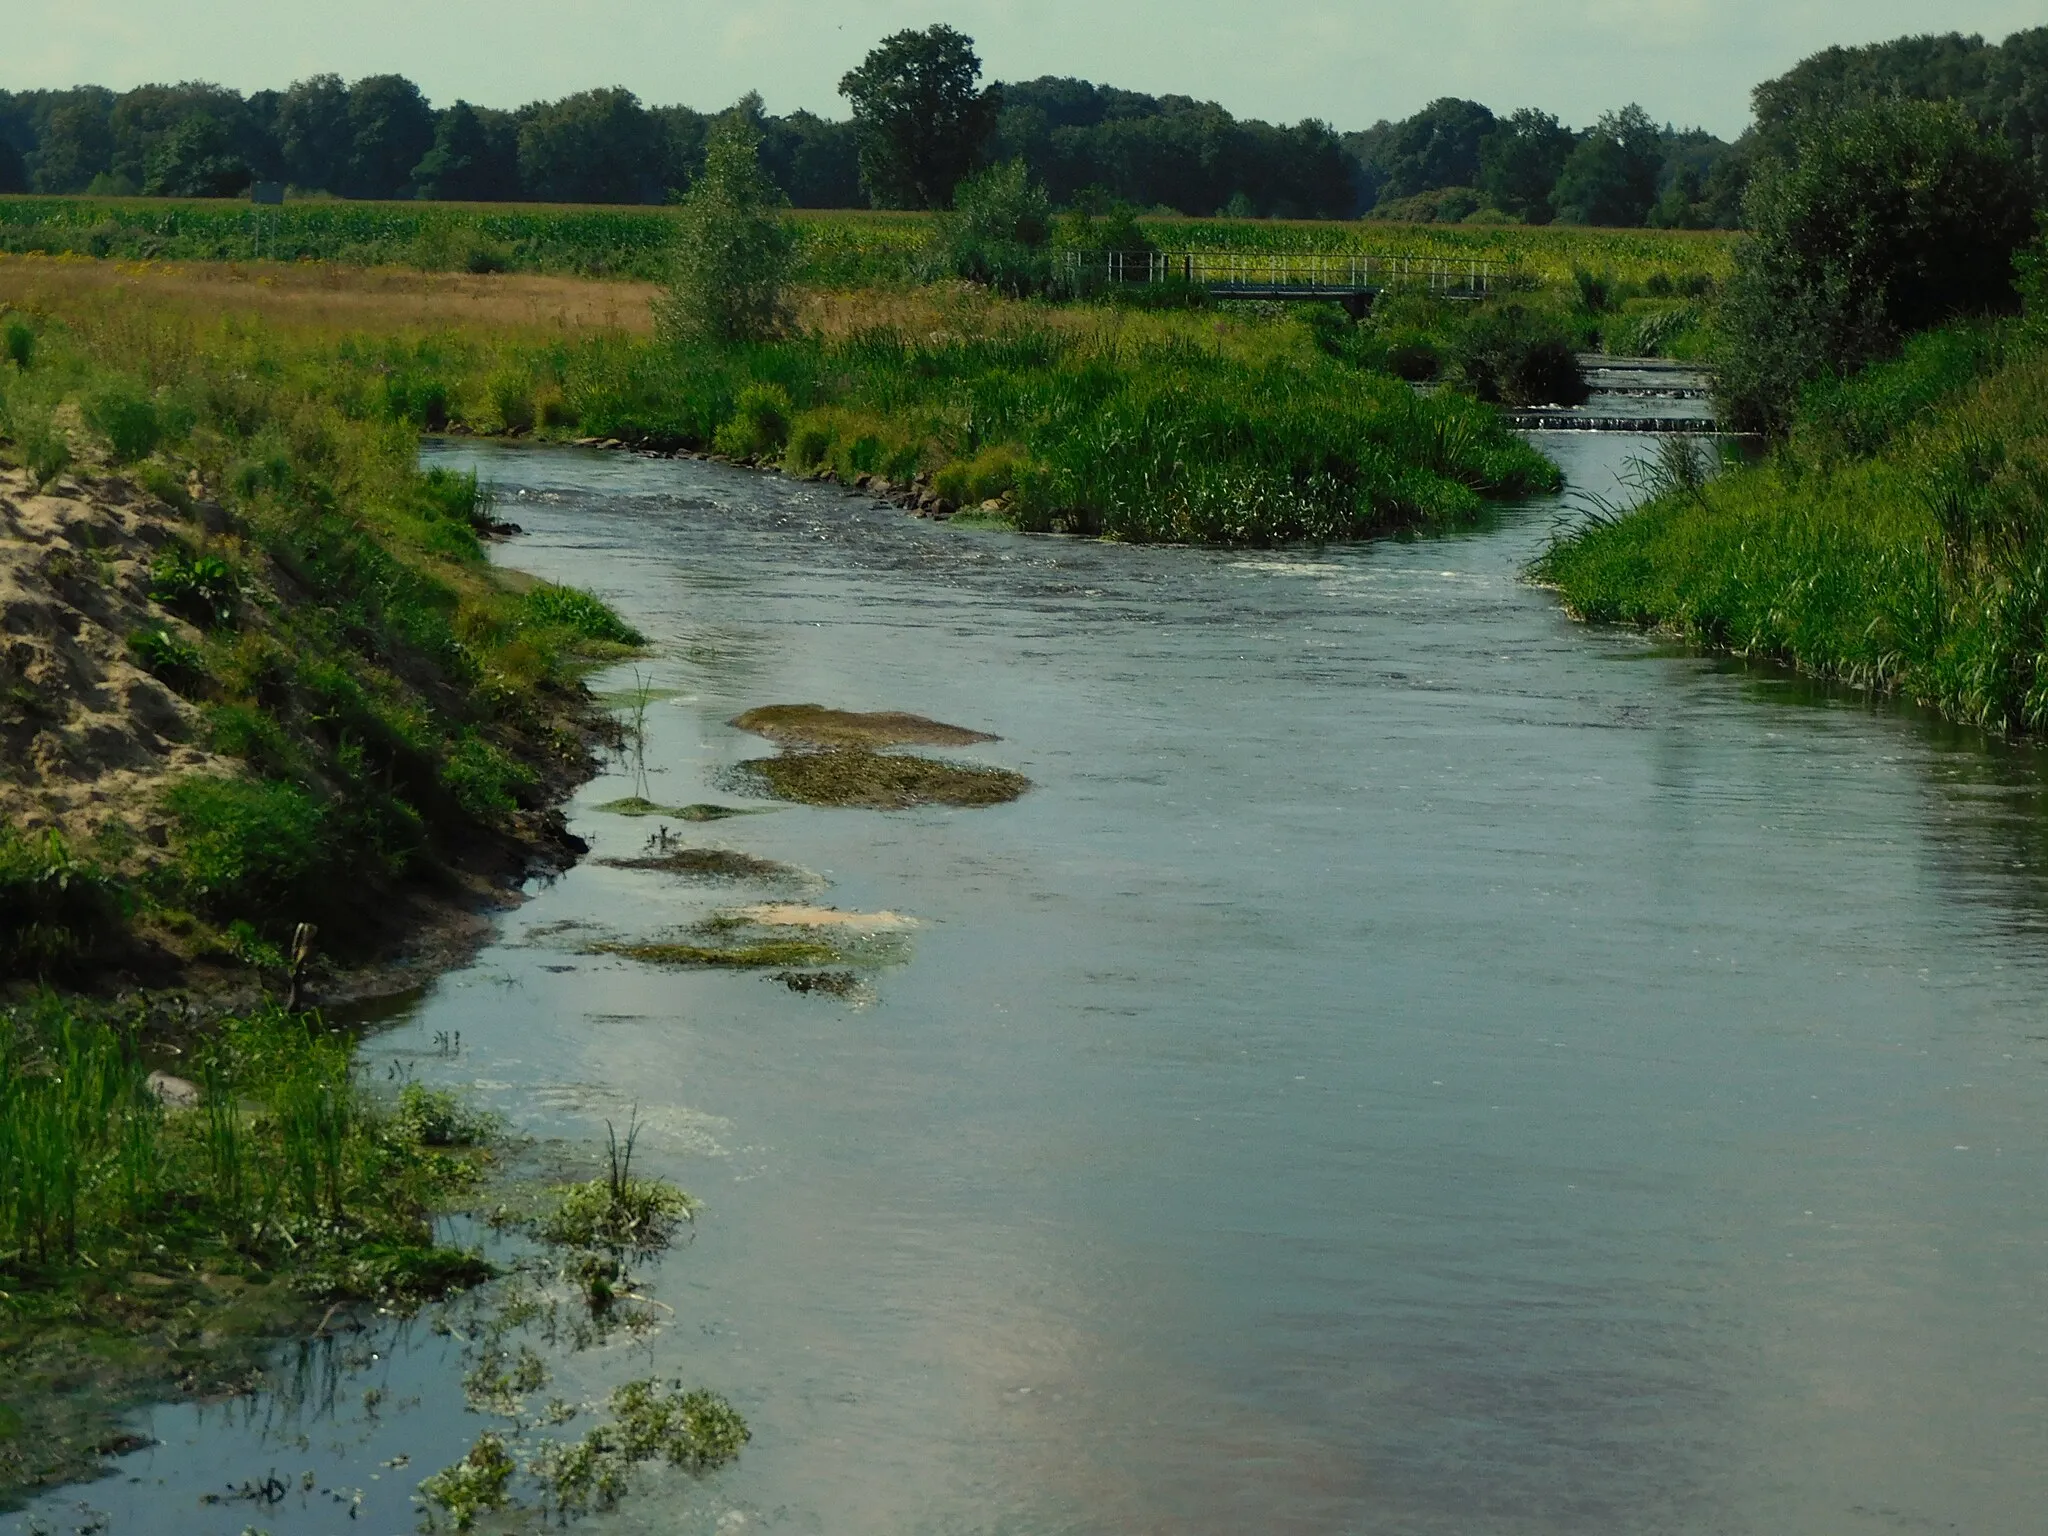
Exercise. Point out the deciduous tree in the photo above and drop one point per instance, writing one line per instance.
(919, 119)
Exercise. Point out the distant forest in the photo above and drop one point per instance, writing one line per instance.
(381, 138)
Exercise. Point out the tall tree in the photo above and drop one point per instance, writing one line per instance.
(197, 158)
(1437, 147)
(475, 157)
(1520, 161)
(76, 144)
(391, 128)
(920, 122)
(1610, 179)
(594, 147)
(313, 133)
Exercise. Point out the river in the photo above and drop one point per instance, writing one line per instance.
(1412, 1064)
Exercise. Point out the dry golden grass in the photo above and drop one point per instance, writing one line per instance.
(324, 296)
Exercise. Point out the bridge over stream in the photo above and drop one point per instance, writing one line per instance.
(1355, 282)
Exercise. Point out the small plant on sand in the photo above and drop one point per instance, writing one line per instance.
(44, 448)
(200, 588)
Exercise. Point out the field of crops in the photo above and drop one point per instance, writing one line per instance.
(840, 248)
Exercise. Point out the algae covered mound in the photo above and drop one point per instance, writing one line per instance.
(747, 954)
(640, 805)
(881, 781)
(709, 864)
(814, 727)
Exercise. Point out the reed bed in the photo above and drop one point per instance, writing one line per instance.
(285, 1163)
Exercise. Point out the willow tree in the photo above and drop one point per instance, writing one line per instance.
(734, 250)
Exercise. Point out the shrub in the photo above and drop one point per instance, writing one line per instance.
(759, 425)
(549, 606)
(163, 483)
(1414, 358)
(54, 906)
(245, 731)
(1892, 218)
(457, 496)
(126, 418)
(511, 397)
(199, 588)
(999, 231)
(484, 779)
(243, 845)
(18, 340)
(419, 402)
(989, 474)
(168, 659)
(1512, 356)
(734, 252)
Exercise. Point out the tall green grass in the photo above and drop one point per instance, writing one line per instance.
(1899, 541)
(285, 1164)
(1152, 435)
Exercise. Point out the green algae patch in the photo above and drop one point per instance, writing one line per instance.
(812, 727)
(635, 805)
(711, 864)
(744, 955)
(879, 781)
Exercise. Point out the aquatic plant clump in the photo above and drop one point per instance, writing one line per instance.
(879, 781)
(477, 1484)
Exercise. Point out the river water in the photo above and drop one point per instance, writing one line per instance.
(1411, 1063)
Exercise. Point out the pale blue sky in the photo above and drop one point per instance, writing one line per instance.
(1691, 61)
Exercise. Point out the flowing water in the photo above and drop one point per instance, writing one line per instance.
(1411, 1064)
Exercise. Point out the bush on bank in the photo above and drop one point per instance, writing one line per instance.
(1897, 541)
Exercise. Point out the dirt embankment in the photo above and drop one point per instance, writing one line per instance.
(90, 740)
(87, 737)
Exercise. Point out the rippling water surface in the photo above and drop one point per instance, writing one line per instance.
(1411, 1064)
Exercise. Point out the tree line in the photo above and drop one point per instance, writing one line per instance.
(921, 120)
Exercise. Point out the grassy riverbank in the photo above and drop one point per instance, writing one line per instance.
(1186, 426)
(242, 607)
(1898, 541)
